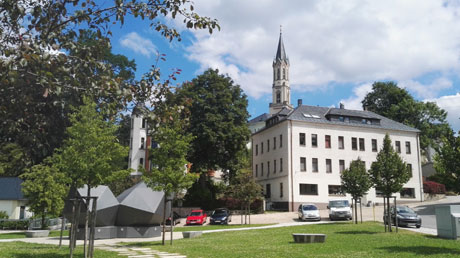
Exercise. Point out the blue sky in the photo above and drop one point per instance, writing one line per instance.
(337, 49)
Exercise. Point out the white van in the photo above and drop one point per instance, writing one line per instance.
(339, 209)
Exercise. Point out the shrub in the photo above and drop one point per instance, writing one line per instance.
(14, 224)
(431, 187)
(3, 215)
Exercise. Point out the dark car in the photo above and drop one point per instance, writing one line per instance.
(176, 219)
(406, 217)
(221, 216)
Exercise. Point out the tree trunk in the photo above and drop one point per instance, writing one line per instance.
(356, 210)
(164, 222)
(172, 219)
(43, 221)
(388, 214)
(85, 253)
(249, 209)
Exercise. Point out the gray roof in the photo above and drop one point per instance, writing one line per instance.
(318, 115)
(260, 118)
(280, 52)
(10, 188)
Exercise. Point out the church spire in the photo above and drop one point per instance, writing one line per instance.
(281, 53)
(281, 90)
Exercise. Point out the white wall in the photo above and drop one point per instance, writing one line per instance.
(12, 208)
(321, 178)
(135, 152)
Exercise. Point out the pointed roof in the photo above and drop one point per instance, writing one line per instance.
(280, 52)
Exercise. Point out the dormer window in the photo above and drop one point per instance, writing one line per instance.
(341, 118)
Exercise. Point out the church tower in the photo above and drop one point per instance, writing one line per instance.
(281, 92)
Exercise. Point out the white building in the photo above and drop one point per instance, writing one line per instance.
(300, 152)
(138, 149)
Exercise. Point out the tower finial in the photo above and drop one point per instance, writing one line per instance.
(281, 29)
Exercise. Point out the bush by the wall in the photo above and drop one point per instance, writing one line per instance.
(431, 187)
(14, 224)
(3, 215)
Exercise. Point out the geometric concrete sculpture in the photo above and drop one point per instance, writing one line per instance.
(140, 206)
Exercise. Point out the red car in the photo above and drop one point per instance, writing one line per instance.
(196, 217)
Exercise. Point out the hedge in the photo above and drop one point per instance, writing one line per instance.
(431, 187)
(14, 223)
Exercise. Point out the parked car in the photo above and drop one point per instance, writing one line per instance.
(339, 209)
(196, 217)
(176, 219)
(406, 217)
(220, 216)
(308, 212)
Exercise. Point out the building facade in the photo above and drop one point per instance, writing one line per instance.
(299, 154)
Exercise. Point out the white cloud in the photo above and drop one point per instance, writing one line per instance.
(354, 102)
(330, 41)
(426, 91)
(451, 104)
(138, 44)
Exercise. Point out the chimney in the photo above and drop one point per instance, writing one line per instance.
(299, 102)
(342, 106)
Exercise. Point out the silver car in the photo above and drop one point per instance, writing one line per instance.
(309, 212)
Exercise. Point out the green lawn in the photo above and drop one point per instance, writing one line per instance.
(28, 250)
(343, 240)
(53, 233)
(212, 227)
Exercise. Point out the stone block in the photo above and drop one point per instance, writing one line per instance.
(191, 234)
(309, 238)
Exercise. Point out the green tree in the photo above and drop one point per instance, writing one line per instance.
(218, 121)
(356, 182)
(45, 188)
(55, 52)
(447, 164)
(13, 161)
(245, 189)
(90, 154)
(388, 100)
(389, 173)
(169, 173)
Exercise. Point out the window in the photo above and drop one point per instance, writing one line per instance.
(398, 146)
(257, 170)
(407, 193)
(328, 166)
(281, 190)
(143, 123)
(308, 189)
(303, 164)
(302, 139)
(274, 166)
(341, 118)
(141, 162)
(142, 142)
(274, 143)
(153, 144)
(347, 120)
(314, 164)
(314, 140)
(278, 97)
(354, 143)
(281, 164)
(131, 142)
(374, 145)
(268, 168)
(278, 74)
(284, 73)
(268, 145)
(261, 148)
(408, 148)
(327, 143)
(378, 193)
(261, 169)
(257, 149)
(268, 191)
(281, 140)
(341, 145)
(363, 121)
(335, 190)
(361, 144)
(410, 169)
(341, 165)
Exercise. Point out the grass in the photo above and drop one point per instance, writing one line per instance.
(53, 233)
(213, 227)
(343, 240)
(26, 250)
